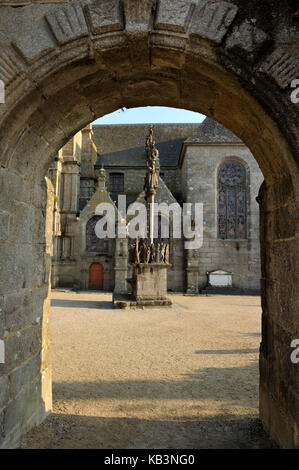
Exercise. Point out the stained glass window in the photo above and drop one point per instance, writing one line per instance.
(93, 243)
(232, 212)
(116, 183)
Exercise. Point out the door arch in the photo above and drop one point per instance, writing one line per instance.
(96, 277)
(78, 62)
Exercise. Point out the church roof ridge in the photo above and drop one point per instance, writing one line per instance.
(125, 143)
(211, 131)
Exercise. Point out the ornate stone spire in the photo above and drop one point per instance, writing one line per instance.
(145, 250)
(152, 164)
(102, 183)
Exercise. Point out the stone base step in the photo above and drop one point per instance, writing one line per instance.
(128, 301)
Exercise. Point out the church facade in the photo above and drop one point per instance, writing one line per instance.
(199, 163)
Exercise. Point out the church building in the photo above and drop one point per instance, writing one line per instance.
(199, 163)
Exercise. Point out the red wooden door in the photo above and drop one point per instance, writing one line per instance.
(96, 276)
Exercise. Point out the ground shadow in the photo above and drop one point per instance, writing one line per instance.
(101, 304)
(232, 422)
(212, 383)
(211, 432)
(227, 351)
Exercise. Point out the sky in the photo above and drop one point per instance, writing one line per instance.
(150, 115)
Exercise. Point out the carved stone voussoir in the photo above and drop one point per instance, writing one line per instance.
(35, 43)
(105, 16)
(211, 20)
(246, 39)
(174, 16)
(67, 23)
(282, 67)
(138, 15)
(9, 66)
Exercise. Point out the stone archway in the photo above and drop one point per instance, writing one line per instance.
(63, 66)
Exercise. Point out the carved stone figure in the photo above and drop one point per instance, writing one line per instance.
(137, 252)
(166, 256)
(141, 252)
(152, 173)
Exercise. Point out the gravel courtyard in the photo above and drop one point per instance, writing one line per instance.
(181, 377)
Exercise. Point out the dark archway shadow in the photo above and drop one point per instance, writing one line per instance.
(217, 427)
(227, 351)
(68, 431)
(101, 304)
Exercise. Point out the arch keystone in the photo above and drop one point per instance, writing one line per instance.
(105, 17)
(138, 15)
(67, 23)
(211, 20)
(174, 16)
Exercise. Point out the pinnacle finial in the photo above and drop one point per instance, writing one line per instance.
(152, 174)
(102, 173)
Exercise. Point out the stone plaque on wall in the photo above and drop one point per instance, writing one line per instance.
(220, 278)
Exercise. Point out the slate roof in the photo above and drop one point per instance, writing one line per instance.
(124, 144)
(211, 131)
(163, 195)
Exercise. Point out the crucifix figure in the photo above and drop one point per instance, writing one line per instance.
(151, 181)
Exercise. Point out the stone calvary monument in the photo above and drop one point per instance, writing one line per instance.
(149, 256)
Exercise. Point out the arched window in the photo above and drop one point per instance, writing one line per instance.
(232, 210)
(116, 183)
(93, 243)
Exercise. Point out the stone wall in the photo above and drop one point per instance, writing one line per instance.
(26, 240)
(234, 61)
(279, 378)
(75, 274)
(199, 182)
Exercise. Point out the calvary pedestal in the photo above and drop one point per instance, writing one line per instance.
(149, 284)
